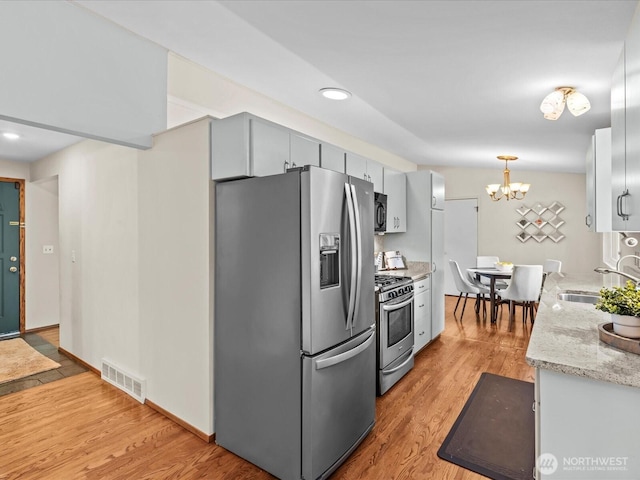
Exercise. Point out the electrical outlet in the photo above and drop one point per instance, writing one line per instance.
(47, 249)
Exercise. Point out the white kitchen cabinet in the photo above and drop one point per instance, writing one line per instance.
(332, 157)
(244, 145)
(395, 187)
(590, 427)
(361, 167)
(422, 315)
(598, 182)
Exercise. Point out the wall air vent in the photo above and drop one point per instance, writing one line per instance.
(126, 382)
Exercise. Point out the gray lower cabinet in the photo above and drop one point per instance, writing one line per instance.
(422, 316)
(395, 187)
(585, 428)
(244, 145)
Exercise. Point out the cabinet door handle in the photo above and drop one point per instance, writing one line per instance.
(435, 267)
(587, 220)
(625, 216)
(433, 201)
(420, 306)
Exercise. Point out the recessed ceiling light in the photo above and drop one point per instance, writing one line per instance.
(335, 93)
(11, 136)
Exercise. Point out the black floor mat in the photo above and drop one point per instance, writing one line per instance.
(494, 435)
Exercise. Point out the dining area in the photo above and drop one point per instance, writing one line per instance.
(494, 283)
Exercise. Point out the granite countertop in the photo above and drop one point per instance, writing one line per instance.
(415, 270)
(565, 334)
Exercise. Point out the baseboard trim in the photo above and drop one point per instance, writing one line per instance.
(80, 361)
(198, 433)
(41, 329)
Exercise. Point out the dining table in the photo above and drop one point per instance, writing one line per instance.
(493, 274)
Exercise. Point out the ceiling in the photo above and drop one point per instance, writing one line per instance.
(436, 82)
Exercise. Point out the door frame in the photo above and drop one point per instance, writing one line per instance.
(22, 279)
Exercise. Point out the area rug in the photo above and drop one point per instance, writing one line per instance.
(18, 360)
(494, 435)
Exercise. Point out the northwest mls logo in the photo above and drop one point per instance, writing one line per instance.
(547, 463)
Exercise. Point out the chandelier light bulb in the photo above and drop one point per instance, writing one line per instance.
(578, 104)
(553, 104)
(509, 190)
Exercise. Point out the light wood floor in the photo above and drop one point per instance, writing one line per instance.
(82, 428)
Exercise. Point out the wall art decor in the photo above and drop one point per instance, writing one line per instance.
(540, 222)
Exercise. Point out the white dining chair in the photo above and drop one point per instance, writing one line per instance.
(465, 286)
(552, 266)
(490, 262)
(523, 290)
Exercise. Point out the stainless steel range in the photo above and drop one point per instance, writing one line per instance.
(394, 323)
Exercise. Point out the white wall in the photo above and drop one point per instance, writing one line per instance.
(42, 279)
(176, 273)
(580, 250)
(98, 227)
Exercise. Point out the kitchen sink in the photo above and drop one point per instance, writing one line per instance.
(579, 297)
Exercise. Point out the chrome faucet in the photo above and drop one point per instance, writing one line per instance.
(617, 270)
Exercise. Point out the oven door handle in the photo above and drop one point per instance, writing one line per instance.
(396, 306)
(343, 357)
(395, 369)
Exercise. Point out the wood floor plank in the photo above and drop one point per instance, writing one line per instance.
(82, 428)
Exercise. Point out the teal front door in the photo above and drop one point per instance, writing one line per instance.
(9, 259)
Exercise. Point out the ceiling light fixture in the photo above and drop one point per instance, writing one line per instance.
(11, 136)
(553, 104)
(515, 191)
(334, 93)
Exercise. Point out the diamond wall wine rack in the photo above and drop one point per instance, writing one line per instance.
(539, 222)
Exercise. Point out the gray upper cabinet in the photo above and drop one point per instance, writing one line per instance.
(437, 191)
(625, 122)
(395, 187)
(332, 157)
(245, 146)
(303, 150)
(269, 149)
(361, 167)
(598, 186)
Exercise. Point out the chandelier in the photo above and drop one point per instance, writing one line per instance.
(508, 190)
(553, 104)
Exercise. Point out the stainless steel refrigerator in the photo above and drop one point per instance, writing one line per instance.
(294, 328)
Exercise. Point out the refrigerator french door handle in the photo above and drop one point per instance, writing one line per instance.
(343, 357)
(352, 235)
(356, 207)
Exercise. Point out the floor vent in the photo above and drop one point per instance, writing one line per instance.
(124, 381)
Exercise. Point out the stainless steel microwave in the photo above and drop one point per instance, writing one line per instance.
(379, 212)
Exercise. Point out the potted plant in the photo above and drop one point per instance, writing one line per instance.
(623, 303)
